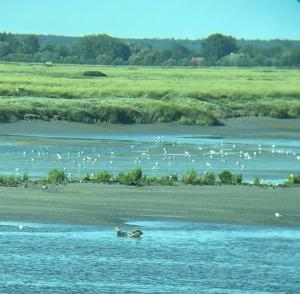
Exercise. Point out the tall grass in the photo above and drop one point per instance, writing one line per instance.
(146, 95)
(13, 181)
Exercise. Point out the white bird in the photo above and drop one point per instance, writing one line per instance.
(21, 227)
(277, 214)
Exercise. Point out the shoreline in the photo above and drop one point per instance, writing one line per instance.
(100, 204)
(240, 127)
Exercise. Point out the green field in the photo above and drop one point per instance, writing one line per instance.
(203, 96)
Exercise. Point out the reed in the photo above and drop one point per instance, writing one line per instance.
(201, 96)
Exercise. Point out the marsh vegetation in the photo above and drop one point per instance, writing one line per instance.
(136, 177)
(146, 95)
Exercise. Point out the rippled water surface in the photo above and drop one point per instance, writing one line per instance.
(172, 257)
(270, 157)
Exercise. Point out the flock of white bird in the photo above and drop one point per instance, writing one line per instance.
(158, 157)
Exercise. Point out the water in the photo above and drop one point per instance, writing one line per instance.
(172, 257)
(270, 159)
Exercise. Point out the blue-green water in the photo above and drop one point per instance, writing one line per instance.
(271, 160)
(264, 148)
(172, 257)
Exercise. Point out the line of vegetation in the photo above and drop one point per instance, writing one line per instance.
(135, 177)
(115, 111)
(216, 49)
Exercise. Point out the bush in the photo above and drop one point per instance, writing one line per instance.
(257, 181)
(103, 177)
(133, 177)
(24, 178)
(226, 177)
(13, 181)
(93, 73)
(209, 179)
(163, 181)
(191, 177)
(238, 179)
(292, 179)
(56, 176)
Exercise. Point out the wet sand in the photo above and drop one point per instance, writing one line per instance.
(249, 127)
(104, 204)
(113, 204)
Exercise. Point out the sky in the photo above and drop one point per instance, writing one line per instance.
(193, 19)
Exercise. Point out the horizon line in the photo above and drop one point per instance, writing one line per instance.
(152, 38)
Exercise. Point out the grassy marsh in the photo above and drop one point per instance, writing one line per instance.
(202, 96)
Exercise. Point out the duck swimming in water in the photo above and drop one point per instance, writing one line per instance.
(133, 234)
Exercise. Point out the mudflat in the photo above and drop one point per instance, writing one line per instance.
(99, 204)
(246, 127)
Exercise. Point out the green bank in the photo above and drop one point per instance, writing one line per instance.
(203, 96)
(113, 204)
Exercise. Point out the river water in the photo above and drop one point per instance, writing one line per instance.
(172, 257)
(271, 155)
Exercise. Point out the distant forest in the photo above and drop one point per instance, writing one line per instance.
(215, 50)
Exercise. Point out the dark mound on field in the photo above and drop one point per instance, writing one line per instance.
(94, 74)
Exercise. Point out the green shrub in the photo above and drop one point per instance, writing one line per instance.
(226, 177)
(13, 181)
(191, 177)
(238, 179)
(294, 179)
(24, 178)
(103, 177)
(56, 176)
(133, 177)
(209, 179)
(163, 181)
(257, 181)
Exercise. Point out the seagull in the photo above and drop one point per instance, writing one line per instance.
(277, 214)
(21, 227)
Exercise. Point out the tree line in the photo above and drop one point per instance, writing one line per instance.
(215, 50)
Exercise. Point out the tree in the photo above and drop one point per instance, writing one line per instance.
(4, 48)
(31, 44)
(179, 51)
(48, 47)
(8, 44)
(149, 59)
(90, 47)
(292, 58)
(63, 51)
(104, 59)
(217, 46)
